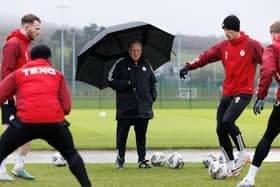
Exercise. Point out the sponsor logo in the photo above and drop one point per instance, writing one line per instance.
(39, 70)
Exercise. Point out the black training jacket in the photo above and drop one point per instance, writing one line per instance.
(135, 86)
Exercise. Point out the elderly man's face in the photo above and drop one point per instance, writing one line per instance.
(135, 51)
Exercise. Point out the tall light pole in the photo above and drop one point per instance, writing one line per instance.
(73, 61)
(62, 7)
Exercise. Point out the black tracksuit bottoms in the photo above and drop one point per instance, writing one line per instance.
(57, 135)
(229, 109)
(140, 128)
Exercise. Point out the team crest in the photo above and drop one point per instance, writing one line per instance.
(242, 52)
(144, 68)
(128, 68)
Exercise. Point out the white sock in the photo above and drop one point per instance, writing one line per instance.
(3, 168)
(19, 164)
(252, 173)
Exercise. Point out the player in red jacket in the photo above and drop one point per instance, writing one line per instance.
(270, 69)
(16, 53)
(43, 99)
(239, 55)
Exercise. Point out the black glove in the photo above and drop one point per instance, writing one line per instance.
(183, 72)
(258, 106)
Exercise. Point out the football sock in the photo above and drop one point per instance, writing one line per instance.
(252, 173)
(19, 164)
(3, 168)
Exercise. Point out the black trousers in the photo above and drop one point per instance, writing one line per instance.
(273, 129)
(57, 135)
(229, 110)
(140, 128)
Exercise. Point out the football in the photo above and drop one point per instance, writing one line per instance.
(218, 170)
(211, 157)
(175, 161)
(158, 159)
(102, 114)
(58, 160)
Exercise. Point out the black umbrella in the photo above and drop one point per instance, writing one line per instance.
(99, 54)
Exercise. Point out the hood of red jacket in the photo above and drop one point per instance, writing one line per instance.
(18, 34)
(277, 42)
(242, 37)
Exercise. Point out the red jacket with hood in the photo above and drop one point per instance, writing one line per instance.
(41, 93)
(270, 69)
(15, 52)
(239, 58)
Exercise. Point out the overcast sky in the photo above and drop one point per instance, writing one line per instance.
(190, 17)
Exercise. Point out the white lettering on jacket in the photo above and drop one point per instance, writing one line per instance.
(39, 70)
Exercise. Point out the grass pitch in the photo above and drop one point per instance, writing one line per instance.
(171, 128)
(105, 175)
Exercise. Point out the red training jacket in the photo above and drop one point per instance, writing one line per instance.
(41, 92)
(270, 69)
(15, 52)
(239, 58)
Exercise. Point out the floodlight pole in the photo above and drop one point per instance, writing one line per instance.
(62, 7)
(73, 62)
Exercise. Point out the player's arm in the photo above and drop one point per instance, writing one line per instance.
(211, 55)
(64, 96)
(7, 87)
(11, 52)
(268, 71)
(256, 50)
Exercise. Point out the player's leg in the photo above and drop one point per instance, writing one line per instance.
(11, 139)
(60, 138)
(140, 128)
(236, 107)
(123, 127)
(7, 109)
(222, 130)
(18, 169)
(263, 147)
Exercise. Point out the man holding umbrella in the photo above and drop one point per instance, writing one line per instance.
(133, 80)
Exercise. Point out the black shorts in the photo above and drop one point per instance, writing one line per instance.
(8, 109)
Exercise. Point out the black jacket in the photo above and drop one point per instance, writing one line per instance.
(135, 86)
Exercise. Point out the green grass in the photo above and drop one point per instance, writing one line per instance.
(173, 128)
(161, 103)
(105, 175)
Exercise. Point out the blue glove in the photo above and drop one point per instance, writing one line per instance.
(183, 72)
(258, 106)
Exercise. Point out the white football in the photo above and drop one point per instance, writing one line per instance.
(58, 160)
(102, 114)
(211, 157)
(158, 159)
(218, 170)
(175, 160)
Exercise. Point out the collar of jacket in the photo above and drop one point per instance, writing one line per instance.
(37, 62)
(242, 37)
(16, 33)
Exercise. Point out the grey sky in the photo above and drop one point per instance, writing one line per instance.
(196, 17)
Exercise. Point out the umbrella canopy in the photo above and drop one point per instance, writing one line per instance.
(99, 54)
